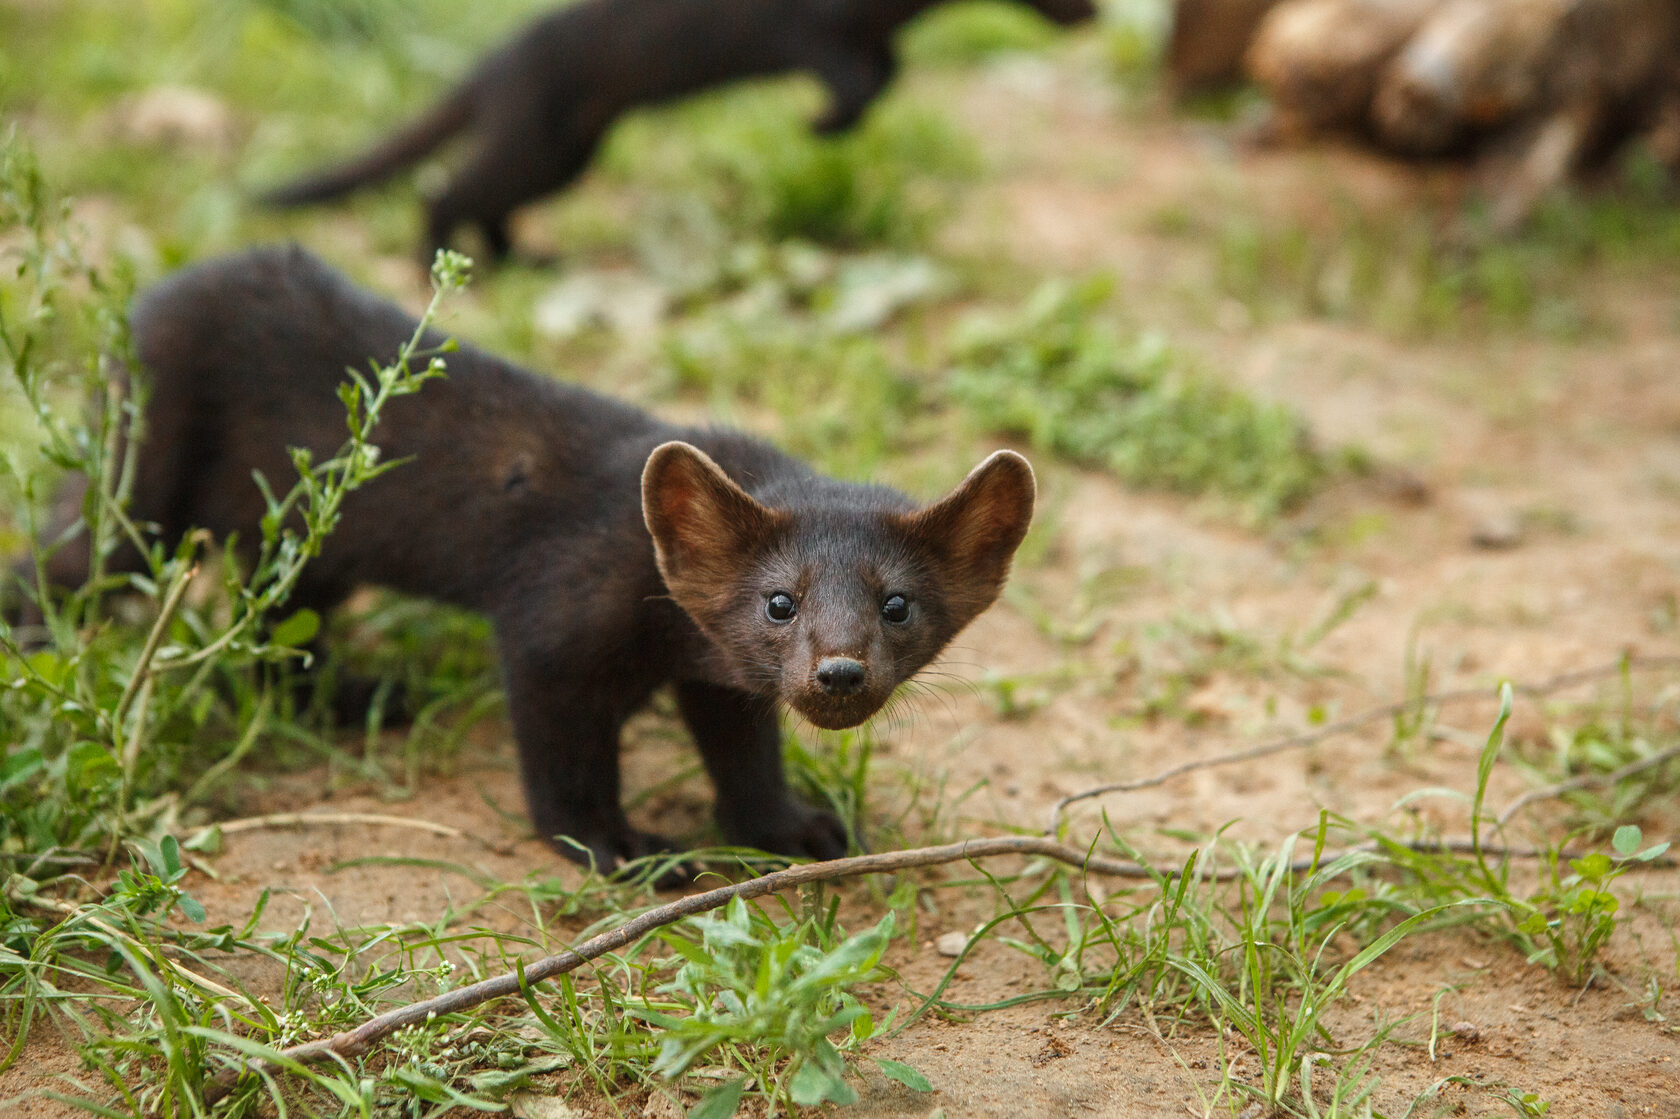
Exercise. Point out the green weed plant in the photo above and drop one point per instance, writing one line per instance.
(116, 729)
(771, 997)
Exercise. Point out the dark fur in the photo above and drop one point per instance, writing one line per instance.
(524, 498)
(538, 105)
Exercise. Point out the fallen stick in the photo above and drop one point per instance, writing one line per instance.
(352, 1043)
(357, 1041)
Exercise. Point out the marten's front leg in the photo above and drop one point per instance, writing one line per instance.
(854, 80)
(740, 739)
(566, 715)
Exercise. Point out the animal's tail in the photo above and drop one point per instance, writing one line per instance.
(406, 146)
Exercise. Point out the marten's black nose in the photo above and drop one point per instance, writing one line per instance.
(839, 675)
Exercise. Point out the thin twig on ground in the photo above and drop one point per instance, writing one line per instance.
(1587, 781)
(336, 819)
(355, 1042)
(1387, 711)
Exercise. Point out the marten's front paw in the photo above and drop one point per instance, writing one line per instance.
(798, 831)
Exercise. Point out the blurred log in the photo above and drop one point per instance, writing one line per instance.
(1320, 59)
(1564, 77)
(1209, 39)
(1532, 89)
(1473, 65)
(1481, 64)
(1663, 137)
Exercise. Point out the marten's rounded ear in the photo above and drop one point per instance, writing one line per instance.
(978, 526)
(701, 521)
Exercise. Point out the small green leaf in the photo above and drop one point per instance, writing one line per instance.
(720, 1102)
(1595, 865)
(904, 1074)
(1065, 975)
(21, 766)
(813, 1085)
(206, 840)
(88, 767)
(1627, 839)
(191, 909)
(297, 630)
(149, 852)
(50, 667)
(170, 849)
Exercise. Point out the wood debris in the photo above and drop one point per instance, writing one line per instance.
(1529, 90)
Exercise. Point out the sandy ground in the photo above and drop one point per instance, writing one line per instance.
(1578, 442)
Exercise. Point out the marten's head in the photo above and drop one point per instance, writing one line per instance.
(828, 595)
(1065, 12)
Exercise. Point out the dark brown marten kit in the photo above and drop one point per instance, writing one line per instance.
(537, 107)
(613, 552)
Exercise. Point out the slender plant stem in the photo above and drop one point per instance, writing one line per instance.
(248, 740)
(166, 614)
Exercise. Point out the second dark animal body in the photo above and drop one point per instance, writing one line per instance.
(612, 551)
(538, 106)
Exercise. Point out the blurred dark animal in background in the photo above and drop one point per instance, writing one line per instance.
(538, 106)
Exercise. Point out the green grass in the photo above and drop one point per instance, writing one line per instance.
(1407, 273)
(843, 402)
(973, 31)
(1588, 742)
(1058, 374)
(749, 155)
(1263, 961)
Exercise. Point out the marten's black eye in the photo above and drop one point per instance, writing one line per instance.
(780, 608)
(896, 609)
